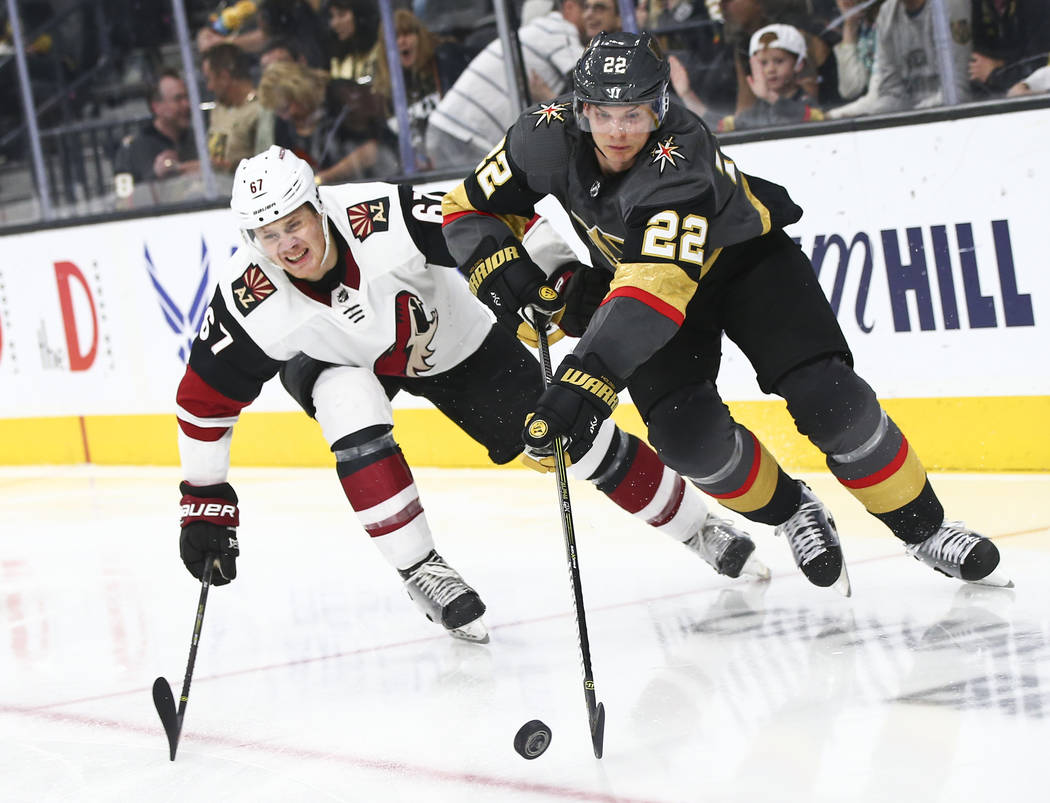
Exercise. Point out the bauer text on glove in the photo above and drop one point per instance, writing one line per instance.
(209, 527)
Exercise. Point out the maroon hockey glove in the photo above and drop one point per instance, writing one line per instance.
(209, 527)
(507, 281)
(583, 289)
(574, 406)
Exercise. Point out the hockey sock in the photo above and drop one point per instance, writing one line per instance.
(752, 483)
(379, 486)
(628, 471)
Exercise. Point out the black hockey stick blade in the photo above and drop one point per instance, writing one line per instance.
(598, 730)
(164, 700)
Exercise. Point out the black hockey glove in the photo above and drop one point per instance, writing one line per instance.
(583, 289)
(508, 282)
(573, 407)
(209, 527)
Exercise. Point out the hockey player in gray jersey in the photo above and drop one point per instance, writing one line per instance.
(686, 247)
(350, 293)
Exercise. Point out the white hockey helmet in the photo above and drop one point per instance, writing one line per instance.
(270, 185)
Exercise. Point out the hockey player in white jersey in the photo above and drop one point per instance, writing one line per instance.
(349, 292)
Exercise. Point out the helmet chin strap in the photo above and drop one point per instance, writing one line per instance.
(327, 236)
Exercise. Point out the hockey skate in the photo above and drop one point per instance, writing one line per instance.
(814, 542)
(727, 549)
(441, 594)
(957, 551)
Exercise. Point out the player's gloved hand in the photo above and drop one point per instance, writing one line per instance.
(573, 407)
(583, 289)
(209, 527)
(510, 284)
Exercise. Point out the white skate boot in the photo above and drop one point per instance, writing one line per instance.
(727, 549)
(957, 551)
(441, 594)
(814, 542)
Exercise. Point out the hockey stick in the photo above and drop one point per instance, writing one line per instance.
(162, 696)
(595, 709)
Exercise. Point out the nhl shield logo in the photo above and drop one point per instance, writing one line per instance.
(368, 217)
(251, 289)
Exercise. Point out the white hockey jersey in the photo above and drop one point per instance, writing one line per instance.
(400, 308)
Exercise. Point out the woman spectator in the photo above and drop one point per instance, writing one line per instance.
(355, 49)
(335, 124)
(430, 65)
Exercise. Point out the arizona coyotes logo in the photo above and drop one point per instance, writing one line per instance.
(664, 154)
(549, 112)
(251, 289)
(413, 333)
(368, 217)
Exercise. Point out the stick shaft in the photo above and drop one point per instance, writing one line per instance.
(565, 506)
(209, 566)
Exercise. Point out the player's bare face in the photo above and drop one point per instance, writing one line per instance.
(620, 133)
(296, 243)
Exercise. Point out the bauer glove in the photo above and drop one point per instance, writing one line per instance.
(209, 527)
(508, 282)
(573, 407)
(583, 289)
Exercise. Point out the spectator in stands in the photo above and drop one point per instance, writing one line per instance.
(777, 57)
(280, 48)
(1037, 82)
(355, 50)
(714, 84)
(164, 148)
(476, 112)
(296, 19)
(598, 16)
(238, 127)
(855, 54)
(430, 66)
(906, 74)
(337, 125)
(1010, 39)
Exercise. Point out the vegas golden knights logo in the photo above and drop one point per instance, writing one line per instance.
(368, 217)
(251, 289)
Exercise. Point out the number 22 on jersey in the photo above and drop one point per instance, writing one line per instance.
(668, 236)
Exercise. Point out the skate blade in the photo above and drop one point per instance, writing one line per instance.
(996, 579)
(755, 567)
(474, 632)
(842, 585)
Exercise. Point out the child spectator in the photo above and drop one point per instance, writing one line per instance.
(777, 55)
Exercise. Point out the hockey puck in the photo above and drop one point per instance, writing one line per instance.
(532, 739)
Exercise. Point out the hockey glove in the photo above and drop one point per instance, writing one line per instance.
(209, 527)
(583, 289)
(508, 282)
(573, 407)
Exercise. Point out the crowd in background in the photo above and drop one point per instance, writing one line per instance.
(313, 75)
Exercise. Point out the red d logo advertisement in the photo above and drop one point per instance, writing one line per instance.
(66, 275)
